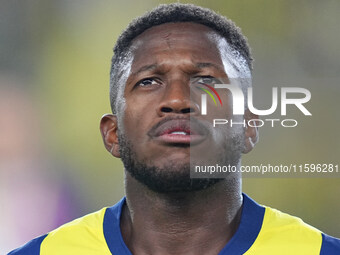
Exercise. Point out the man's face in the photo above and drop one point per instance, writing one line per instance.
(161, 126)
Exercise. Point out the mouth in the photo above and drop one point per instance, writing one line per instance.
(180, 131)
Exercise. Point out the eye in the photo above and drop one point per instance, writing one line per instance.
(147, 82)
(207, 80)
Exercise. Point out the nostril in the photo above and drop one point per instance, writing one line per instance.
(166, 109)
(187, 110)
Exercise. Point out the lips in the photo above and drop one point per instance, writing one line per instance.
(178, 131)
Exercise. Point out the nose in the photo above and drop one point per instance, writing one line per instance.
(176, 99)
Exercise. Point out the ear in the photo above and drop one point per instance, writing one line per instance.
(251, 131)
(109, 131)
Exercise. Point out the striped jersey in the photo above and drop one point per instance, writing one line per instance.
(262, 231)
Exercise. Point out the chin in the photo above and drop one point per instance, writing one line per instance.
(172, 177)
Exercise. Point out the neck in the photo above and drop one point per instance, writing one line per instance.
(199, 222)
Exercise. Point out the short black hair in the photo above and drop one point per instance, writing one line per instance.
(172, 13)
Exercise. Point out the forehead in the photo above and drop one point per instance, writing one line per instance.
(170, 41)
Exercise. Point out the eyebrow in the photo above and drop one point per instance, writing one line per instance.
(199, 65)
(145, 68)
(211, 65)
(205, 65)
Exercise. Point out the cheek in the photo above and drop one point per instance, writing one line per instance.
(136, 119)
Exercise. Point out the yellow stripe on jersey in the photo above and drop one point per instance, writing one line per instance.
(282, 234)
(82, 236)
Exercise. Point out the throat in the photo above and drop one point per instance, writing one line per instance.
(199, 222)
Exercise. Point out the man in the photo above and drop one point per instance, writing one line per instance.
(158, 131)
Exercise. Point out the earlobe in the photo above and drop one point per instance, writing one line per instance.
(109, 131)
(251, 131)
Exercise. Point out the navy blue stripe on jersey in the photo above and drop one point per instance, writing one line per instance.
(248, 230)
(30, 248)
(112, 232)
(330, 245)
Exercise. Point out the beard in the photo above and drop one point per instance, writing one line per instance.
(174, 176)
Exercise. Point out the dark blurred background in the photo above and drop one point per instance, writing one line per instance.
(54, 87)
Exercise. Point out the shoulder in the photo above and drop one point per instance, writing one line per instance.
(291, 229)
(276, 219)
(83, 231)
(86, 235)
(290, 235)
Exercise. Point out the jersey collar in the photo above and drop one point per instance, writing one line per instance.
(246, 234)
